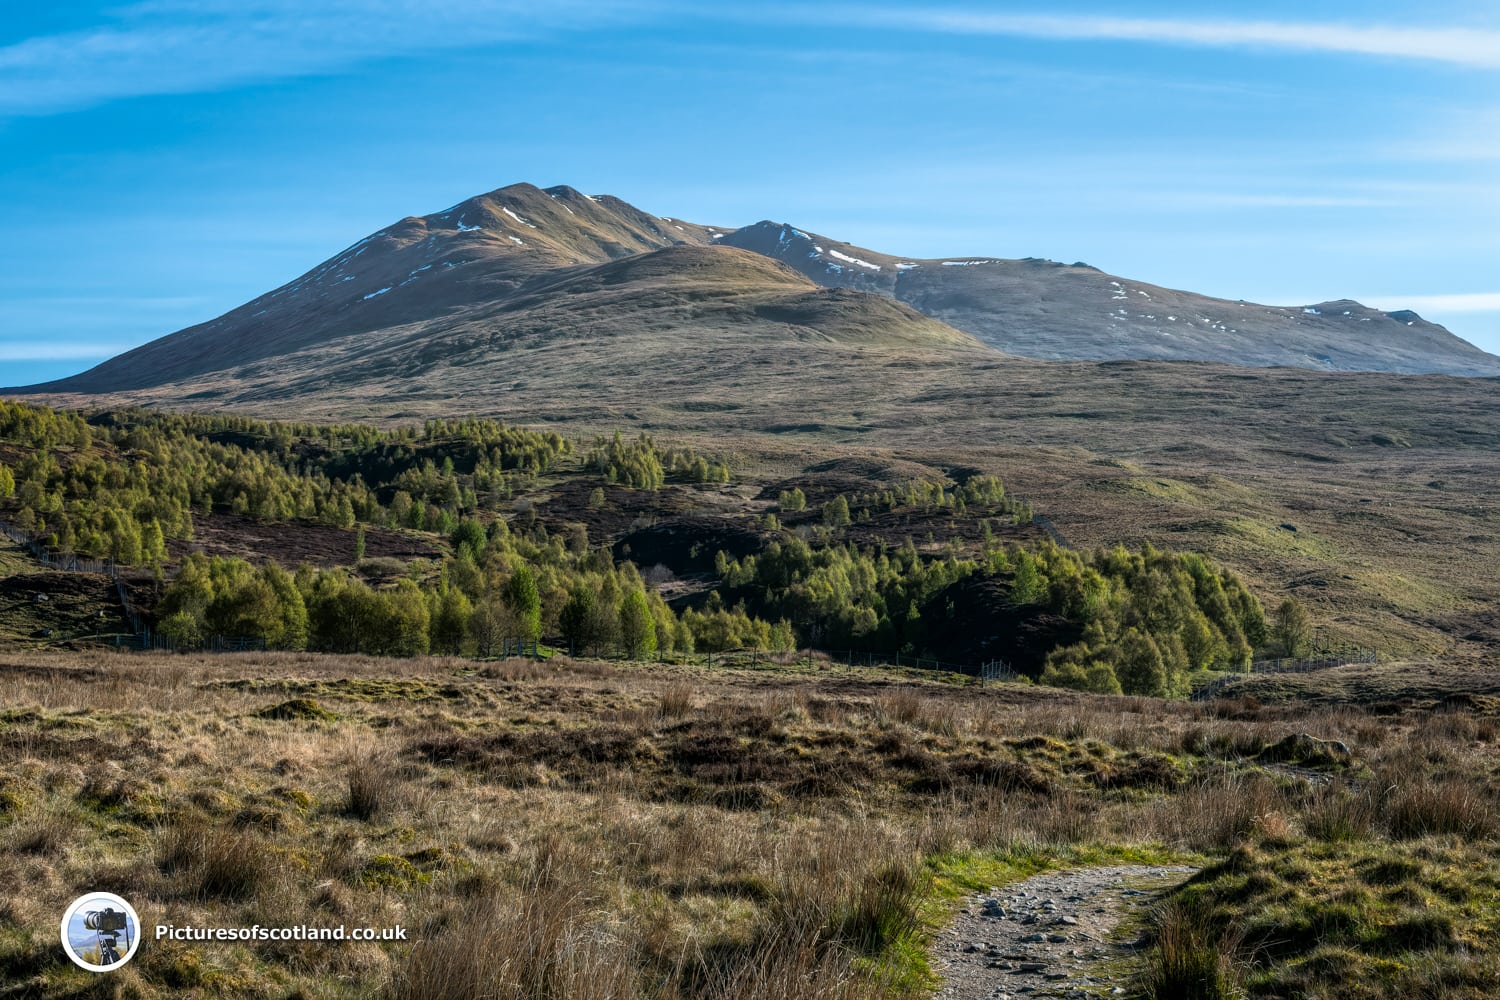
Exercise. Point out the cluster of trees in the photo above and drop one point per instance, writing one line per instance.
(497, 585)
(630, 463)
(344, 450)
(484, 456)
(642, 465)
(1151, 618)
(688, 466)
(985, 493)
(841, 594)
(120, 491)
(121, 484)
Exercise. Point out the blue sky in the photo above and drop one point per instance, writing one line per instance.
(163, 161)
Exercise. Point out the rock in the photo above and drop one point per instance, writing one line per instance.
(1038, 954)
(1309, 751)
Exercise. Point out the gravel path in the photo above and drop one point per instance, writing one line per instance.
(1045, 937)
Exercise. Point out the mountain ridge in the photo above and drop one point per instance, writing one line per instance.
(435, 280)
(1025, 306)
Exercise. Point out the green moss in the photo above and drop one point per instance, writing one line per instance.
(405, 871)
(125, 800)
(391, 871)
(296, 796)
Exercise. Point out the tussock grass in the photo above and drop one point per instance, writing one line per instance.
(1337, 812)
(677, 701)
(373, 786)
(1416, 809)
(1191, 959)
(46, 833)
(215, 862)
(570, 829)
(545, 940)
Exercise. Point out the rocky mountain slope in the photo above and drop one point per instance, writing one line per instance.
(594, 281)
(1045, 309)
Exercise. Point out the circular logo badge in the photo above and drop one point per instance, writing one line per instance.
(100, 931)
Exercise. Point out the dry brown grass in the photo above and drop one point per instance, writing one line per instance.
(46, 833)
(373, 786)
(569, 829)
(543, 940)
(677, 701)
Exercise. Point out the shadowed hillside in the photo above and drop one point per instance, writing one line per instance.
(1045, 309)
(517, 258)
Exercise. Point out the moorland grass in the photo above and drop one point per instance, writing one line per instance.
(647, 831)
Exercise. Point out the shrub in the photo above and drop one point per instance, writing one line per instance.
(546, 942)
(373, 787)
(880, 912)
(1336, 814)
(1192, 960)
(1445, 807)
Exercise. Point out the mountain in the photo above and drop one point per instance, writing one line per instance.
(1045, 309)
(515, 285)
(421, 269)
(519, 287)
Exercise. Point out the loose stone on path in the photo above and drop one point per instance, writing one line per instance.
(1045, 937)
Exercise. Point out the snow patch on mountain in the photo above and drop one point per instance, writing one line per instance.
(513, 215)
(853, 260)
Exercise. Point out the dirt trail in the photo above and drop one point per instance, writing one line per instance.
(1048, 936)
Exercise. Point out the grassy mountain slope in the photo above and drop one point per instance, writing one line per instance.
(589, 332)
(1044, 309)
(471, 263)
(420, 269)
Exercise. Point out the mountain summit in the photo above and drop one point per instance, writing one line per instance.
(456, 298)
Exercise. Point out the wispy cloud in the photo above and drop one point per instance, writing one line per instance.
(1464, 134)
(1231, 200)
(1468, 302)
(1462, 46)
(52, 350)
(185, 46)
